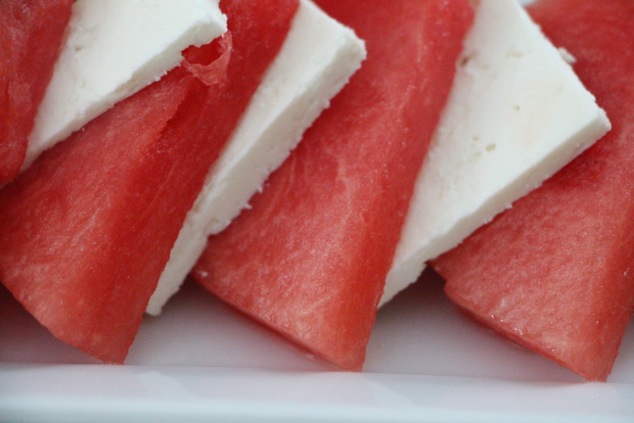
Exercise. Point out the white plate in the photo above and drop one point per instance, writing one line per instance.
(200, 359)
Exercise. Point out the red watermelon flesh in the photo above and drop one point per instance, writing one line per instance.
(555, 273)
(31, 34)
(310, 258)
(87, 230)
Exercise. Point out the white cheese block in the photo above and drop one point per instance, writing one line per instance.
(318, 57)
(113, 49)
(516, 114)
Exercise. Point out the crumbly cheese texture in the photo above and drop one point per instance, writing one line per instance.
(113, 49)
(317, 59)
(517, 113)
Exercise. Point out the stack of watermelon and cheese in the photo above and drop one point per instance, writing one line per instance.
(554, 272)
(89, 227)
(310, 258)
(104, 59)
(320, 283)
(444, 126)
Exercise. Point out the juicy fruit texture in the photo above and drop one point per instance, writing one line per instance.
(112, 50)
(89, 227)
(507, 127)
(554, 272)
(28, 30)
(297, 86)
(310, 258)
(73, 229)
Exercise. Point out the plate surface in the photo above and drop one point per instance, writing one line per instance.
(200, 359)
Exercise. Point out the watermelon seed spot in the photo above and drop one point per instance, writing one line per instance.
(464, 61)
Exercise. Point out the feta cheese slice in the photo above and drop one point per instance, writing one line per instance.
(113, 49)
(318, 57)
(516, 114)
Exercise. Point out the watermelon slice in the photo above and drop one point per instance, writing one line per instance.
(310, 258)
(112, 50)
(554, 272)
(507, 127)
(297, 87)
(31, 34)
(87, 230)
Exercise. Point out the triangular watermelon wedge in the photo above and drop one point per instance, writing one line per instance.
(554, 273)
(87, 230)
(31, 33)
(507, 127)
(310, 258)
(297, 87)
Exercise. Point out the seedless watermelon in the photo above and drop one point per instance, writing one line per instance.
(555, 272)
(310, 258)
(31, 34)
(87, 230)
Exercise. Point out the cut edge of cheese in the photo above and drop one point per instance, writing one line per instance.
(316, 61)
(516, 115)
(112, 50)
